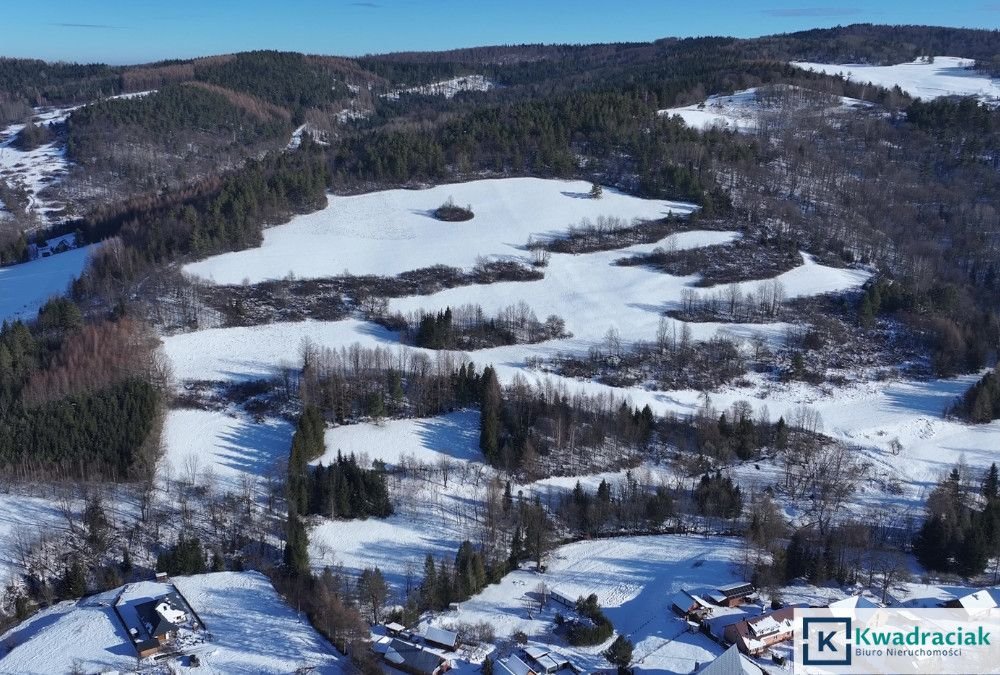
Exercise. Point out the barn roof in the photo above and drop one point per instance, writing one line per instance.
(732, 662)
(441, 636)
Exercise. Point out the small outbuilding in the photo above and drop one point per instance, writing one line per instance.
(439, 637)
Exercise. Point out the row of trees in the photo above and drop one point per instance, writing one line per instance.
(981, 403)
(527, 431)
(468, 328)
(962, 530)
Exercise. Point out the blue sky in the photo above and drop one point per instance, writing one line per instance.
(134, 31)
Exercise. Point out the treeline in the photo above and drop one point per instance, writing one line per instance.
(742, 260)
(228, 214)
(474, 567)
(543, 138)
(168, 139)
(981, 403)
(959, 335)
(164, 113)
(345, 490)
(468, 328)
(42, 83)
(542, 431)
(962, 530)
(354, 382)
(672, 362)
(948, 117)
(76, 400)
(341, 490)
(610, 508)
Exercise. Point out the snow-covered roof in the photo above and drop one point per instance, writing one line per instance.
(683, 600)
(415, 658)
(395, 627)
(764, 626)
(853, 602)
(441, 636)
(535, 651)
(978, 600)
(739, 588)
(515, 666)
(732, 662)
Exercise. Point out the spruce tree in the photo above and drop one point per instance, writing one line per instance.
(620, 654)
(74, 581)
(296, 547)
(489, 434)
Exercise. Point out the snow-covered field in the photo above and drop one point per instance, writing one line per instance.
(25, 288)
(389, 232)
(385, 233)
(739, 111)
(946, 76)
(252, 631)
(227, 444)
(453, 437)
(394, 231)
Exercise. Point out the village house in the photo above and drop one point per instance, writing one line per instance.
(754, 636)
(413, 659)
(161, 618)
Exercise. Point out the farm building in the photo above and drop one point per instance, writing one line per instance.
(980, 600)
(413, 659)
(563, 599)
(688, 605)
(439, 637)
(754, 636)
(733, 595)
(732, 662)
(545, 660)
(512, 665)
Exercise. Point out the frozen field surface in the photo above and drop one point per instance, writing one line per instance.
(739, 111)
